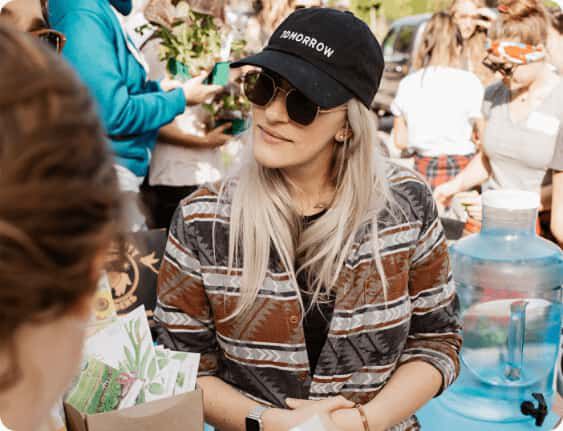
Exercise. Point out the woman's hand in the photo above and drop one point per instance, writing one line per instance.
(472, 204)
(197, 92)
(445, 192)
(485, 17)
(301, 411)
(168, 84)
(217, 137)
(350, 419)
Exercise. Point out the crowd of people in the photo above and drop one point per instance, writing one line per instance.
(313, 278)
(481, 110)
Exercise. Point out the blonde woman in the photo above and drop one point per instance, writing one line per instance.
(473, 19)
(317, 281)
(438, 106)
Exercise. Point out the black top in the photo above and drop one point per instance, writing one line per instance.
(317, 320)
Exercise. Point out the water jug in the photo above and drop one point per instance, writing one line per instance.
(509, 284)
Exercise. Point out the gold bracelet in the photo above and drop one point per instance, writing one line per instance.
(365, 422)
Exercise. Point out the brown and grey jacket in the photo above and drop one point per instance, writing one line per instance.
(264, 354)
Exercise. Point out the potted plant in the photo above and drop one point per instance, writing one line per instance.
(231, 106)
(191, 42)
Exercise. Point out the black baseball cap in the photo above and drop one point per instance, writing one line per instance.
(329, 55)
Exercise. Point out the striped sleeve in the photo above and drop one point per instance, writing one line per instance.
(183, 311)
(435, 332)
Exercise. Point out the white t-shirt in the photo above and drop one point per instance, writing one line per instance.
(180, 166)
(439, 105)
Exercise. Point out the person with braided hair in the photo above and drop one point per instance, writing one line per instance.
(60, 209)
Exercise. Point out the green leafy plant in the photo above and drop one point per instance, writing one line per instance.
(195, 40)
(229, 105)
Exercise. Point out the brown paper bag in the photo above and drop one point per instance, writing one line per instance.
(179, 413)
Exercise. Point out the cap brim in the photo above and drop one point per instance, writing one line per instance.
(311, 81)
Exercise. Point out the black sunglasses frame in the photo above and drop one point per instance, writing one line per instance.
(276, 88)
(505, 70)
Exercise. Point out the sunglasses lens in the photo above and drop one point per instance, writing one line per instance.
(300, 108)
(259, 88)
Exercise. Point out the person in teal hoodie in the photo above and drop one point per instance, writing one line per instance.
(132, 108)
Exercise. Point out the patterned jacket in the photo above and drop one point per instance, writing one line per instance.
(264, 355)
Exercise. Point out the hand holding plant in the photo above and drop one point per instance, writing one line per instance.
(197, 92)
(217, 137)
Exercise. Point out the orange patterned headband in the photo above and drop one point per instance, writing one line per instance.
(516, 52)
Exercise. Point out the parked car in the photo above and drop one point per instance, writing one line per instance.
(399, 46)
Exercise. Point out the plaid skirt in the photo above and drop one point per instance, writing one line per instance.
(441, 169)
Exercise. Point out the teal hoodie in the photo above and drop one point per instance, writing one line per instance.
(132, 108)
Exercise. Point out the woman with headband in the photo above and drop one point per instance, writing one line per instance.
(317, 279)
(523, 111)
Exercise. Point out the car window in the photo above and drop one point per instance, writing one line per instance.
(388, 44)
(404, 40)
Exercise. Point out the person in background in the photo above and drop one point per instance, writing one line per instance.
(555, 53)
(31, 16)
(186, 155)
(523, 112)
(59, 211)
(133, 108)
(268, 15)
(473, 19)
(436, 107)
(317, 279)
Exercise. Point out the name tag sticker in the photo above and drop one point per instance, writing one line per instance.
(543, 123)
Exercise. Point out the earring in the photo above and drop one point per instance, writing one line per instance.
(343, 135)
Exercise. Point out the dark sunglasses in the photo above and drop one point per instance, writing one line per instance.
(53, 38)
(261, 89)
(506, 70)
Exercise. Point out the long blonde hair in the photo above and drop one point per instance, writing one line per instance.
(263, 217)
(441, 43)
(475, 48)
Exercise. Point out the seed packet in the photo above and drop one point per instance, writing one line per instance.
(100, 388)
(168, 372)
(126, 344)
(187, 374)
(140, 355)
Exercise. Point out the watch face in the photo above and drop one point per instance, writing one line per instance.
(252, 424)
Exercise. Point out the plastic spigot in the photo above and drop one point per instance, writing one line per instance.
(539, 414)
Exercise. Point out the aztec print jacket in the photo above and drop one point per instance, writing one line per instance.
(264, 355)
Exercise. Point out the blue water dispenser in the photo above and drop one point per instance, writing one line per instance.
(509, 284)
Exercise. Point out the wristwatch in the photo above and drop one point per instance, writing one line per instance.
(254, 419)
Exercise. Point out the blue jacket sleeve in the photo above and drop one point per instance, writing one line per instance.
(92, 52)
